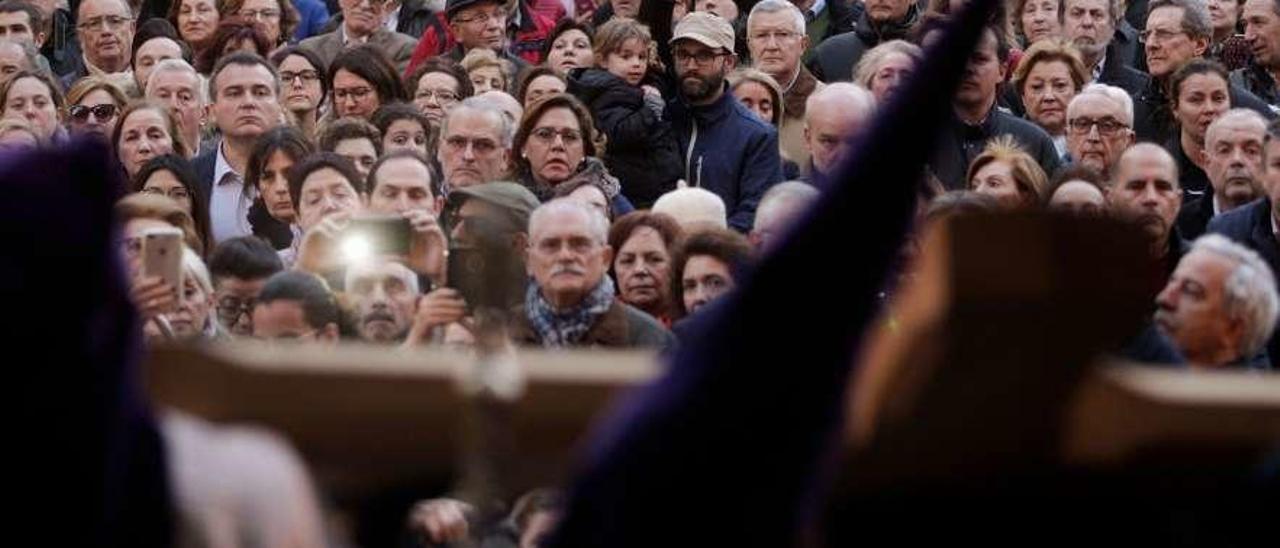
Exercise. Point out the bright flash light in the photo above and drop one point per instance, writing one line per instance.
(356, 249)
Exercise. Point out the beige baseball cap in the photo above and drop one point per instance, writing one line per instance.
(708, 29)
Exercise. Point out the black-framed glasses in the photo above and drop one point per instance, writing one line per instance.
(101, 113)
(703, 57)
(482, 18)
(1107, 127)
(230, 309)
(307, 76)
(548, 135)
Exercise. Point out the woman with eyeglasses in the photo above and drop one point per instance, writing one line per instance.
(172, 176)
(94, 107)
(363, 79)
(556, 140)
(146, 130)
(304, 85)
(36, 98)
(436, 86)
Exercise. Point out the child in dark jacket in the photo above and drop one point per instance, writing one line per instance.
(641, 150)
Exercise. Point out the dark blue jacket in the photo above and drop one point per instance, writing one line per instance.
(729, 151)
(313, 17)
(1250, 225)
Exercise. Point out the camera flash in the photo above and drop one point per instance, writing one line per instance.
(356, 249)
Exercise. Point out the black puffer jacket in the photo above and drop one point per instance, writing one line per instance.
(642, 152)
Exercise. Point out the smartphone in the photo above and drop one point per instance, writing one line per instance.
(376, 235)
(162, 256)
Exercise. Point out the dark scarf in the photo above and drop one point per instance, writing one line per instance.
(563, 329)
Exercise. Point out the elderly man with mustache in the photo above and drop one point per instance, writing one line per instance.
(570, 301)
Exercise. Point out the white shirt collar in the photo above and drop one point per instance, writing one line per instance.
(221, 167)
(1217, 207)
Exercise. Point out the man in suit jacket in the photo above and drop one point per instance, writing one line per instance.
(362, 23)
(1233, 156)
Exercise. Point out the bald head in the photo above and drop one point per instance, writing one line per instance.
(833, 114)
(1145, 189)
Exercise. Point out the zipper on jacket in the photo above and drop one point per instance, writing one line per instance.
(688, 157)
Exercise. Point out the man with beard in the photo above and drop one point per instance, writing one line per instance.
(728, 149)
(1145, 189)
(384, 297)
(1233, 162)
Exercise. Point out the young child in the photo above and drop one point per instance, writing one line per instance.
(622, 91)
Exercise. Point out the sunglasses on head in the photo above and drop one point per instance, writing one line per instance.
(100, 112)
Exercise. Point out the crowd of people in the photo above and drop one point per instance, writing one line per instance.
(594, 172)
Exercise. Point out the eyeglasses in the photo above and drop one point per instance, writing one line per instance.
(230, 309)
(307, 76)
(112, 22)
(548, 135)
(354, 93)
(1160, 35)
(175, 193)
(703, 57)
(260, 14)
(440, 95)
(1107, 127)
(483, 18)
(101, 113)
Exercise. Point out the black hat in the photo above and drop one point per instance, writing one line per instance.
(452, 7)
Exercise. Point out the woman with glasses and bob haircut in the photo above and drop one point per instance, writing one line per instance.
(172, 176)
(363, 79)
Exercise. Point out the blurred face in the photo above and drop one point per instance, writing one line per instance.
(983, 74)
(1201, 100)
(892, 72)
(1146, 190)
(705, 279)
(776, 45)
(538, 532)
(12, 60)
(1088, 24)
(98, 114)
(1192, 310)
(105, 29)
(436, 93)
(29, 99)
(626, 8)
(131, 234)
(15, 139)
(701, 70)
(197, 20)
(593, 197)
(757, 98)
(267, 14)
(404, 184)
(143, 136)
(1078, 197)
(385, 298)
(235, 299)
(471, 150)
(360, 151)
(1223, 15)
(325, 192)
(1233, 150)
(180, 92)
(887, 10)
(192, 315)
(285, 320)
(151, 52)
(572, 49)
(273, 186)
(554, 147)
(828, 126)
(300, 84)
(1262, 30)
(1271, 173)
(1096, 135)
(643, 267)
(353, 95)
(361, 17)
(16, 26)
(487, 78)
(630, 61)
(542, 86)
(1047, 92)
(165, 183)
(407, 135)
(1040, 20)
(1168, 46)
(481, 26)
(246, 104)
(996, 180)
(566, 260)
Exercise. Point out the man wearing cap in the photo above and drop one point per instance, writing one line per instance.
(728, 150)
(363, 22)
(490, 217)
(516, 36)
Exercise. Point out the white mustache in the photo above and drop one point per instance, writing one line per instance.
(566, 270)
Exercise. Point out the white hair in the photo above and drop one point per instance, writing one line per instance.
(789, 195)
(597, 224)
(179, 65)
(777, 6)
(1249, 292)
(194, 268)
(488, 107)
(693, 206)
(1236, 116)
(857, 102)
(356, 270)
(1117, 96)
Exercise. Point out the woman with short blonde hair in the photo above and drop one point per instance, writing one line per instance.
(1009, 174)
